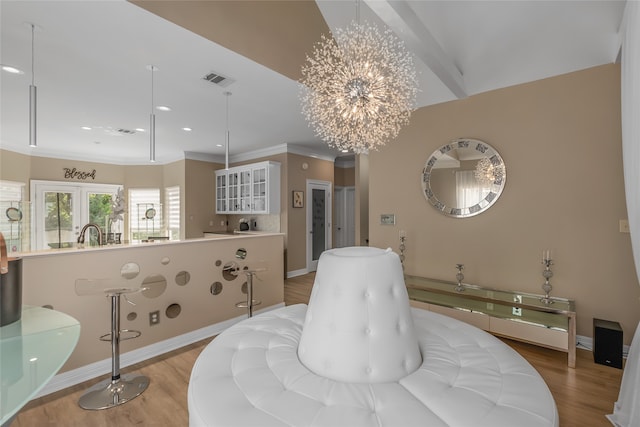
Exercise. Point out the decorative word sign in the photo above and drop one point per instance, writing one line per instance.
(76, 174)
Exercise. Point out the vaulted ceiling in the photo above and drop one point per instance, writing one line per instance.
(91, 61)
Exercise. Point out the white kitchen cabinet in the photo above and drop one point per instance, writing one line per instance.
(249, 189)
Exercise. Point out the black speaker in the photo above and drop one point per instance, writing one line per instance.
(607, 343)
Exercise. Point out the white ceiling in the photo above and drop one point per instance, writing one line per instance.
(91, 61)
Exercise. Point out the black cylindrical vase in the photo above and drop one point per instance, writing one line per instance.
(11, 293)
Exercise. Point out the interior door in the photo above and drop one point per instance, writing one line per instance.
(340, 223)
(318, 221)
(345, 217)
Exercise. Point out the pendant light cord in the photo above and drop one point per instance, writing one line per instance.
(227, 134)
(152, 122)
(33, 36)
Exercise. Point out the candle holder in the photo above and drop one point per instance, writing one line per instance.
(402, 248)
(459, 277)
(547, 274)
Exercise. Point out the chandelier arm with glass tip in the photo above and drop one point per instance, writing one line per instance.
(359, 88)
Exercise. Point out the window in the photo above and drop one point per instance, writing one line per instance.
(145, 214)
(172, 202)
(14, 214)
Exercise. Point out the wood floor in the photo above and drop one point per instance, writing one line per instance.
(583, 395)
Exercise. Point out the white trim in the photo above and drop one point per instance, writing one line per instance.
(327, 187)
(296, 273)
(102, 367)
(205, 157)
(345, 164)
(190, 155)
(260, 153)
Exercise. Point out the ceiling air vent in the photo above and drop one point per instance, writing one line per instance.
(126, 131)
(218, 79)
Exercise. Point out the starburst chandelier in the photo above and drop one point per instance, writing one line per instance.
(358, 88)
(487, 172)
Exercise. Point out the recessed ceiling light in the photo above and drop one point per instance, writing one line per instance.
(218, 145)
(163, 108)
(10, 69)
(85, 128)
(139, 130)
(187, 129)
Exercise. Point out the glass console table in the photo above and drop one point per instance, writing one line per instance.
(518, 315)
(32, 350)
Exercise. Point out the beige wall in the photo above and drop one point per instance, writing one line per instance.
(321, 170)
(561, 141)
(200, 192)
(15, 167)
(362, 200)
(344, 177)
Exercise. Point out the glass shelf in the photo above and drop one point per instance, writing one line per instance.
(32, 350)
(519, 307)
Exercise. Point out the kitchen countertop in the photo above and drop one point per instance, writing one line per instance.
(124, 246)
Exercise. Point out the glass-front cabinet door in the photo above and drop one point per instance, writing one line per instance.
(259, 200)
(234, 200)
(245, 191)
(221, 192)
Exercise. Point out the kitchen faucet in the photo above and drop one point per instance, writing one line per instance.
(84, 230)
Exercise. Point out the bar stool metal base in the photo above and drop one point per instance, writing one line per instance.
(109, 393)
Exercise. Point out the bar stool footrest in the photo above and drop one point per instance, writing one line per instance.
(244, 304)
(123, 335)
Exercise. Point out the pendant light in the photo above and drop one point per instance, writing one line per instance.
(33, 95)
(152, 121)
(226, 142)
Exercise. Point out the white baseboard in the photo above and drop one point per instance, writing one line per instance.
(102, 367)
(586, 343)
(296, 273)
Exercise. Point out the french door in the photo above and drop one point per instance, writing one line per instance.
(61, 209)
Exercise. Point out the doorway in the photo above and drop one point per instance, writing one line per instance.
(345, 217)
(318, 221)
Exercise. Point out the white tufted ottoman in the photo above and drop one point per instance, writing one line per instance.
(287, 367)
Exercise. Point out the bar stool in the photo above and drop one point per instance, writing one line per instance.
(119, 388)
(250, 302)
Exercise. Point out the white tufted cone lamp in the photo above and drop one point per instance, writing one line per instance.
(358, 327)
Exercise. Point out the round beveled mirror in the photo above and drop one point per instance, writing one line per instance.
(463, 178)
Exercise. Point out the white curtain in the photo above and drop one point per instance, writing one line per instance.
(468, 190)
(626, 411)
